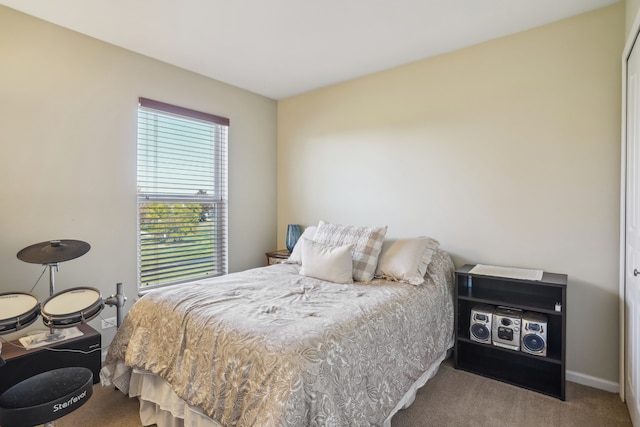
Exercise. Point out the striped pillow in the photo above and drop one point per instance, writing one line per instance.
(366, 241)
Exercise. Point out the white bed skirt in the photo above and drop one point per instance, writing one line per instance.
(161, 406)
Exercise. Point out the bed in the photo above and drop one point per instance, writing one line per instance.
(273, 347)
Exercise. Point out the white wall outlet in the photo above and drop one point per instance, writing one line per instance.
(111, 322)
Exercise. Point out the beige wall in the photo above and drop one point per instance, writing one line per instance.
(632, 7)
(68, 133)
(507, 152)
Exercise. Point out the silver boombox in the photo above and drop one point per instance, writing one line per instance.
(506, 328)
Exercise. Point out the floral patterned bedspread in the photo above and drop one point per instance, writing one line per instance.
(269, 347)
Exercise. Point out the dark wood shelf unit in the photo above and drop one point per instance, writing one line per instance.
(548, 296)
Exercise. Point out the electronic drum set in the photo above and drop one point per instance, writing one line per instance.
(65, 309)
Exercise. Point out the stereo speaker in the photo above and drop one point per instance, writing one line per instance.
(506, 328)
(480, 327)
(534, 333)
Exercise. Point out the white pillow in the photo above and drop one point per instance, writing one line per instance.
(330, 263)
(406, 260)
(296, 254)
(366, 241)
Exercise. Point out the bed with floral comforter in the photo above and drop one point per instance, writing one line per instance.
(269, 347)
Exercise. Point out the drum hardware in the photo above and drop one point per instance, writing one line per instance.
(52, 278)
(71, 307)
(51, 253)
(67, 309)
(63, 310)
(44, 338)
(18, 310)
(118, 301)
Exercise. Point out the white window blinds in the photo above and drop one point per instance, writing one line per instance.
(182, 194)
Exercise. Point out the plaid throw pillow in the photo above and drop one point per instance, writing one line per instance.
(366, 241)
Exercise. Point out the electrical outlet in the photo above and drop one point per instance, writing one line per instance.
(111, 322)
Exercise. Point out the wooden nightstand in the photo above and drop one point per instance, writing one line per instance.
(277, 257)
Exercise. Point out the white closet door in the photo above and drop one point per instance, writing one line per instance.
(632, 238)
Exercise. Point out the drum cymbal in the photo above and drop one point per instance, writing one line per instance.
(53, 251)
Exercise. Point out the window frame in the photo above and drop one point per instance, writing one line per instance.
(219, 200)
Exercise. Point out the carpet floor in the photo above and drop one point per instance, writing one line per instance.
(452, 398)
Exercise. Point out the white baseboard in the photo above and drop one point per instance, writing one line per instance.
(588, 380)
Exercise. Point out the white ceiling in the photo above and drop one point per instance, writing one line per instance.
(280, 48)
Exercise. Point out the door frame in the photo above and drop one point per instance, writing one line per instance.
(634, 33)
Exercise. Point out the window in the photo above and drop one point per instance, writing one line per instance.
(182, 194)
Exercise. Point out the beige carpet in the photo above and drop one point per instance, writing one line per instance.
(451, 398)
